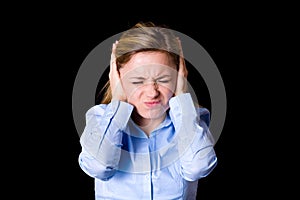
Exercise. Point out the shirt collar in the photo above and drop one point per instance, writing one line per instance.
(134, 130)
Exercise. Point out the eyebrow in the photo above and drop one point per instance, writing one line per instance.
(163, 76)
(139, 78)
(142, 78)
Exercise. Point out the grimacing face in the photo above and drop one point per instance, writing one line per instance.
(149, 81)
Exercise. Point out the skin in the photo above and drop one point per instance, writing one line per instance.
(147, 81)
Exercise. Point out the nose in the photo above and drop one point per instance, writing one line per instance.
(152, 90)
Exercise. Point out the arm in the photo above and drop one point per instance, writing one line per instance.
(195, 146)
(101, 139)
(102, 136)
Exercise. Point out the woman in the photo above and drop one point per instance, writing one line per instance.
(146, 139)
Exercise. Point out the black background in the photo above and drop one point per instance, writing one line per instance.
(46, 47)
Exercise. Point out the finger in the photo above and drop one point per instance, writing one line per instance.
(180, 47)
(113, 65)
(182, 67)
(113, 54)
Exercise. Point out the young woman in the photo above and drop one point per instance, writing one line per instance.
(147, 139)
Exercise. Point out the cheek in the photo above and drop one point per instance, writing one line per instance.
(171, 86)
(128, 88)
(166, 93)
(132, 94)
(168, 89)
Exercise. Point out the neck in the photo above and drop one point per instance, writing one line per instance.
(146, 124)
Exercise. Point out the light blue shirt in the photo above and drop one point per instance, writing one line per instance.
(127, 164)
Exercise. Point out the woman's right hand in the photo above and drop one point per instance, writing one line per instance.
(114, 77)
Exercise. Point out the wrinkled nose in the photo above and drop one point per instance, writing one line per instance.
(152, 90)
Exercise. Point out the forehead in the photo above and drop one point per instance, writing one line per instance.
(148, 61)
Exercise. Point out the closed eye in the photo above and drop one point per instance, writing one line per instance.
(137, 82)
(163, 81)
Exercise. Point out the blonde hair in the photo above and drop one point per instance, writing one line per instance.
(143, 36)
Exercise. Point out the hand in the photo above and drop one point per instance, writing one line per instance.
(181, 85)
(114, 77)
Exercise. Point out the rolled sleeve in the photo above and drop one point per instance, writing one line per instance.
(102, 136)
(198, 157)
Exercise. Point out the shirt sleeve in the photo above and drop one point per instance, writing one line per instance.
(101, 140)
(195, 144)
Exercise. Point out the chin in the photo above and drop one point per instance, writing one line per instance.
(153, 114)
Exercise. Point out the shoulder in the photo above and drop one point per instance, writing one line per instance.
(97, 109)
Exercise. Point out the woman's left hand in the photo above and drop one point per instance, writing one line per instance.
(181, 86)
